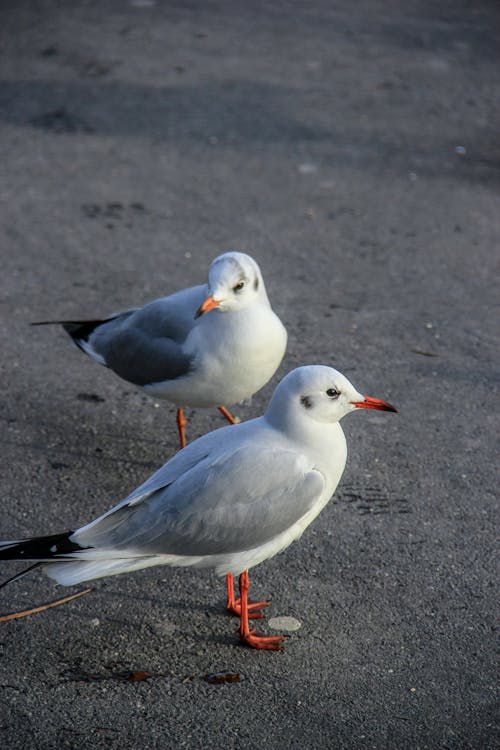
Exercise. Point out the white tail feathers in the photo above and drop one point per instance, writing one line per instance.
(68, 573)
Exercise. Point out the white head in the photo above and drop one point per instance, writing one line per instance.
(234, 282)
(317, 393)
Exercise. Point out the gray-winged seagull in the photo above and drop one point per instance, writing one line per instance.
(230, 500)
(174, 349)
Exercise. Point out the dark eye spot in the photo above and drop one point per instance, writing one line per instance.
(306, 402)
(239, 286)
(332, 393)
(256, 283)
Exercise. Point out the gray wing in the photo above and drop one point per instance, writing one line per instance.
(237, 501)
(144, 345)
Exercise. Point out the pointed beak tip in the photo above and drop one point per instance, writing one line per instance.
(390, 407)
(374, 403)
(209, 304)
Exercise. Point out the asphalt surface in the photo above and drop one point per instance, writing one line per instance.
(352, 149)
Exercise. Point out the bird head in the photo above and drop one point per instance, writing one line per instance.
(319, 393)
(234, 283)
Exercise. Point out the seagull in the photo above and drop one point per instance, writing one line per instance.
(211, 345)
(229, 500)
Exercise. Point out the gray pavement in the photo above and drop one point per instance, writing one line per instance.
(353, 149)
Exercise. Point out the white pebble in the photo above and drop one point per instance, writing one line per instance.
(307, 168)
(284, 623)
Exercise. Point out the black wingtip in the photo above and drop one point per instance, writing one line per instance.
(47, 322)
(20, 575)
(42, 548)
(77, 329)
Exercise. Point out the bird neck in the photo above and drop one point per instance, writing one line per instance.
(319, 439)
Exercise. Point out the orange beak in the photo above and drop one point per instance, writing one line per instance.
(209, 304)
(373, 403)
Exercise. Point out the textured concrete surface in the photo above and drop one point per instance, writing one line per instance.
(352, 148)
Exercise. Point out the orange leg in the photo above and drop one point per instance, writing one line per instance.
(227, 414)
(269, 642)
(234, 605)
(181, 425)
(182, 422)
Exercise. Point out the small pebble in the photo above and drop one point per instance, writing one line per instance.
(163, 629)
(307, 168)
(284, 623)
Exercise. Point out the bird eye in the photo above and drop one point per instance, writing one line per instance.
(239, 286)
(332, 393)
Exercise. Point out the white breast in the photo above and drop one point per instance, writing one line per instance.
(234, 355)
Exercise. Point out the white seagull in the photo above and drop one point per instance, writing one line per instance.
(230, 500)
(211, 345)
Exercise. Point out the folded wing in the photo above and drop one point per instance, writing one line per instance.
(143, 345)
(236, 501)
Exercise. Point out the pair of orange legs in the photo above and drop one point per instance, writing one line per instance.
(241, 606)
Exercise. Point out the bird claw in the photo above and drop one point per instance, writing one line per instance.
(268, 642)
(254, 612)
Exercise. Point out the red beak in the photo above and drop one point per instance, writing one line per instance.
(209, 304)
(373, 403)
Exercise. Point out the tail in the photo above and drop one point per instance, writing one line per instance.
(71, 325)
(67, 562)
(42, 548)
(80, 331)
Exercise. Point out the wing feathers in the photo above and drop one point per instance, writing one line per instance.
(200, 513)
